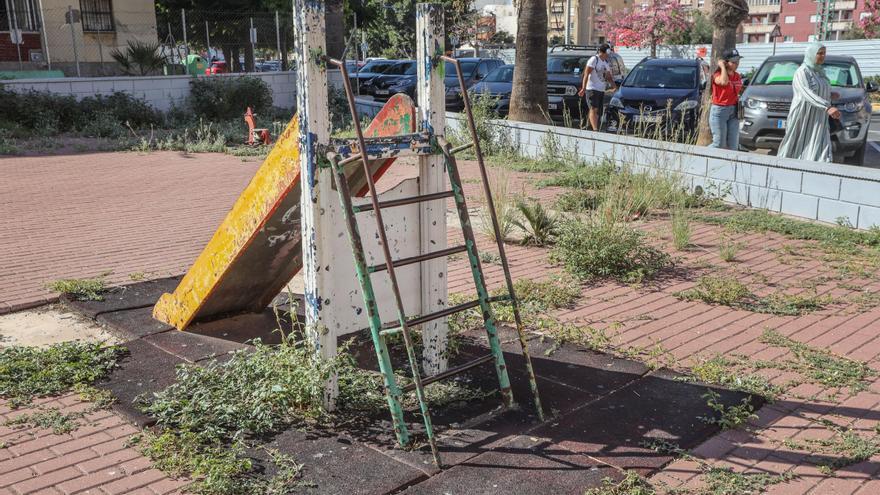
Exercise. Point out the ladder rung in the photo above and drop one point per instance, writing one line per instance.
(501, 298)
(404, 201)
(450, 372)
(419, 258)
(461, 148)
(393, 327)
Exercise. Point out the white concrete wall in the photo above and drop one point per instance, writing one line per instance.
(161, 92)
(811, 190)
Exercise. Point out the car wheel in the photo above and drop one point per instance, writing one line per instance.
(857, 158)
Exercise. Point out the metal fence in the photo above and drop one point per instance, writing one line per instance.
(753, 54)
(80, 39)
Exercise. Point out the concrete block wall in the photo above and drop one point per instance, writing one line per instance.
(161, 92)
(812, 190)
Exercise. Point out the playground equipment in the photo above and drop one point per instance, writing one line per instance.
(254, 135)
(287, 220)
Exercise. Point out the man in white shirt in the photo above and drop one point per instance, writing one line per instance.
(596, 78)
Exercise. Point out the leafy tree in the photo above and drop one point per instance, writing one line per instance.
(502, 37)
(698, 32)
(870, 25)
(650, 26)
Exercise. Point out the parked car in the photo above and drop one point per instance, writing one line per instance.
(565, 73)
(473, 70)
(216, 67)
(370, 70)
(399, 78)
(659, 96)
(268, 66)
(767, 99)
(498, 84)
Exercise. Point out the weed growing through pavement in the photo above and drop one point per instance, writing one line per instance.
(490, 258)
(583, 176)
(577, 201)
(732, 374)
(27, 373)
(82, 289)
(539, 225)
(729, 291)
(728, 417)
(631, 484)
(595, 249)
(845, 448)
(681, 229)
(818, 365)
(728, 248)
(505, 207)
(52, 418)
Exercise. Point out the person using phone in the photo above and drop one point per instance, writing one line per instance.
(724, 112)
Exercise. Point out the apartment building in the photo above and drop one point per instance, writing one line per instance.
(583, 15)
(799, 20)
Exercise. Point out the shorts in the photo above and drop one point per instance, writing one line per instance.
(595, 99)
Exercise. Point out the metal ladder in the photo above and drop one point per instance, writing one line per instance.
(380, 331)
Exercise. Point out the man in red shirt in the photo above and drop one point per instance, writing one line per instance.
(724, 114)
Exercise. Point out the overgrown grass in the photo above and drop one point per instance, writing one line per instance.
(728, 249)
(729, 291)
(845, 448)
(83, 289)
(763, 221)
(732, 374)
(52, 418)
(594, 249)
(631, 484)
(819, 365)
(505, 207)
(583, 176)
(30, 372)
(577, 200)
(681, 229)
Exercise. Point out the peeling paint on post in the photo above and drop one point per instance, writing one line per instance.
(430, 33)
(311, 103)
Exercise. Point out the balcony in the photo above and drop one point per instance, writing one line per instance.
(758, 28)
(764, 9)
(845, 5)
(841, 25)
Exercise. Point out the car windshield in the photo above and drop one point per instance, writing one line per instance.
(467, 68)
(378, 66)
(567, 65)
(402, 69)
(662, 76)
(501, 74)
(781, 72)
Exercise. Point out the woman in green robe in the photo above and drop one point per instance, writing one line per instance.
(807, 134)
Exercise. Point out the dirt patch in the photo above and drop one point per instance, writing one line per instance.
(48, 326)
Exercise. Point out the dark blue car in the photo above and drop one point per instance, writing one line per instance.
(499, 84)
(659, 96)
(371, 69)
(474, 70)
(399, 78)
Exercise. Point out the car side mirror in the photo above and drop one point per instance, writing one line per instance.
(746, 82)
(618, 80)
(871, 87)
(702, 85)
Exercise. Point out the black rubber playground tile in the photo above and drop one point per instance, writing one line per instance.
(526, 465)
(618, 429)
(146, 369)
(130, 324)
(192, 347)
(139, 295)
(337, 465)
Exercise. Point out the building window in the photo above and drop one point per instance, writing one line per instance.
(789, 19)
(792, 1)
(811, 38)
(813, 19)
(864, 15)
(788, 39)
(96, 16)
(19, 14)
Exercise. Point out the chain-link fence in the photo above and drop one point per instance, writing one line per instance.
(92, 38)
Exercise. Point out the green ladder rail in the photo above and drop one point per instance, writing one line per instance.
(380, 331)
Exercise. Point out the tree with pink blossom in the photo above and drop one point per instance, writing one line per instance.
(649, 24)
(870, 25)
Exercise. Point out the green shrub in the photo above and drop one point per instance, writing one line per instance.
(48, 114)
(539, 225)
(717, 290)
(595, 249)
(224, 98)
(584, 176)
(576, 200)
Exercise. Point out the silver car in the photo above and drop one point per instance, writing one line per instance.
(767, 98)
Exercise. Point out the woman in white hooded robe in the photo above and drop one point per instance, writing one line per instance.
(807, 133)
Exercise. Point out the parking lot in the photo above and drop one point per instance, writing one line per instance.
(872, 154)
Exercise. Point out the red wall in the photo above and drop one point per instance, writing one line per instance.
(9, 52)
(803, 10)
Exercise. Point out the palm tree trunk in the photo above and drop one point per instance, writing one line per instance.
(528, 99)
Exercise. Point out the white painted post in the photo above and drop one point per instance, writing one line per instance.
(314, 129)
(432, 178)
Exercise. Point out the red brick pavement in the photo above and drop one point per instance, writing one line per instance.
(74, 216)
(647, 316)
